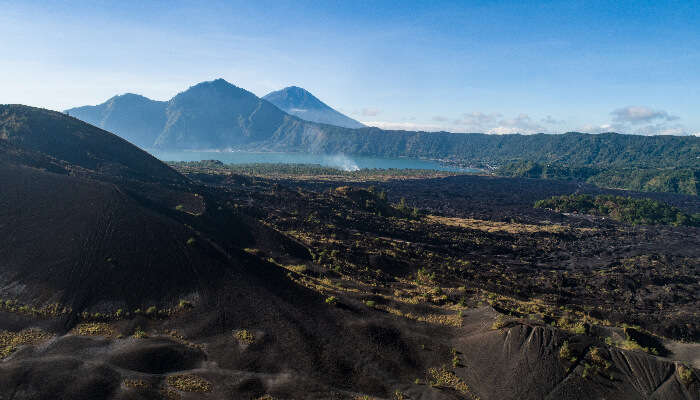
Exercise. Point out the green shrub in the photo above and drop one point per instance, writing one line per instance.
(139, 333)
(685, 374)
(244, 336)
(332, 300)
(565, 351)
(184, 304)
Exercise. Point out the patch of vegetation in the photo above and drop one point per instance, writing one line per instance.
(424, 277)
(184, 305)
(136, 384)
(93, 329)
(670, 180)
(189, 383)
(685, 374)
(623, 209)
(576, 327)
(455, 358)
(191, 241)
(332, 300)
(565, 352)
(500, 322)
(10, 341)
(139, 333)
(598, 365)
(48, 311)
(244, 336)
(445, 378)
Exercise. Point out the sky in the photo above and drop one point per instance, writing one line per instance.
(461, 66)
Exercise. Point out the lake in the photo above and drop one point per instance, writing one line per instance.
(341, 161)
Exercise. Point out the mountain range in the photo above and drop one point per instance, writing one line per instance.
(219, 115)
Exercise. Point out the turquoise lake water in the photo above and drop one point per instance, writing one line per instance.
(347, 163)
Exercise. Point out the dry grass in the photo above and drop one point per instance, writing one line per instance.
(244, 336)
(136, 384)
(10, 341)
(444, 378)
(493, 226)
(93, 329)
(189, 383)
(435, 319)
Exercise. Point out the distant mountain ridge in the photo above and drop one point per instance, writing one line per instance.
(299, 102)
(219, 115)
(136, 118)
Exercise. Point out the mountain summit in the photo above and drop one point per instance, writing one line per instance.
(301, 103)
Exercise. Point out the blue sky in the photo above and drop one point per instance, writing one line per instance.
(462, 66)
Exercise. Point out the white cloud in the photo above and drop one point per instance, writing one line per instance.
(472, 122)
(407, 126)
(640, 115)
(370, 112)
(640, 120)
(520, 124)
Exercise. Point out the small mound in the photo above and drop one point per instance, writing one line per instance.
(157, 358)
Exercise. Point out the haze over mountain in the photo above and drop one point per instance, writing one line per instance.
(136, 118)
(219, 115)
(299, 102)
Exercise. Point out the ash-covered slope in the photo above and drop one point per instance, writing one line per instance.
(90, 220)
(301, 103)
(76, 146)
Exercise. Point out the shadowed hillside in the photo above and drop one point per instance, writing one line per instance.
(73, 144)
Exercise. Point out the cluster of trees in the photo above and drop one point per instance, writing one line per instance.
(623, 209)
(600, 151)
(671, 180)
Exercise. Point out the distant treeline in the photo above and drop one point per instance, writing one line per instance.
(481, 150)
(670, 179)
(623, 209)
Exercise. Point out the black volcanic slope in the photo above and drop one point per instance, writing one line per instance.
(299, 102)
(122, 279)
(89, 218)
(72, 143)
